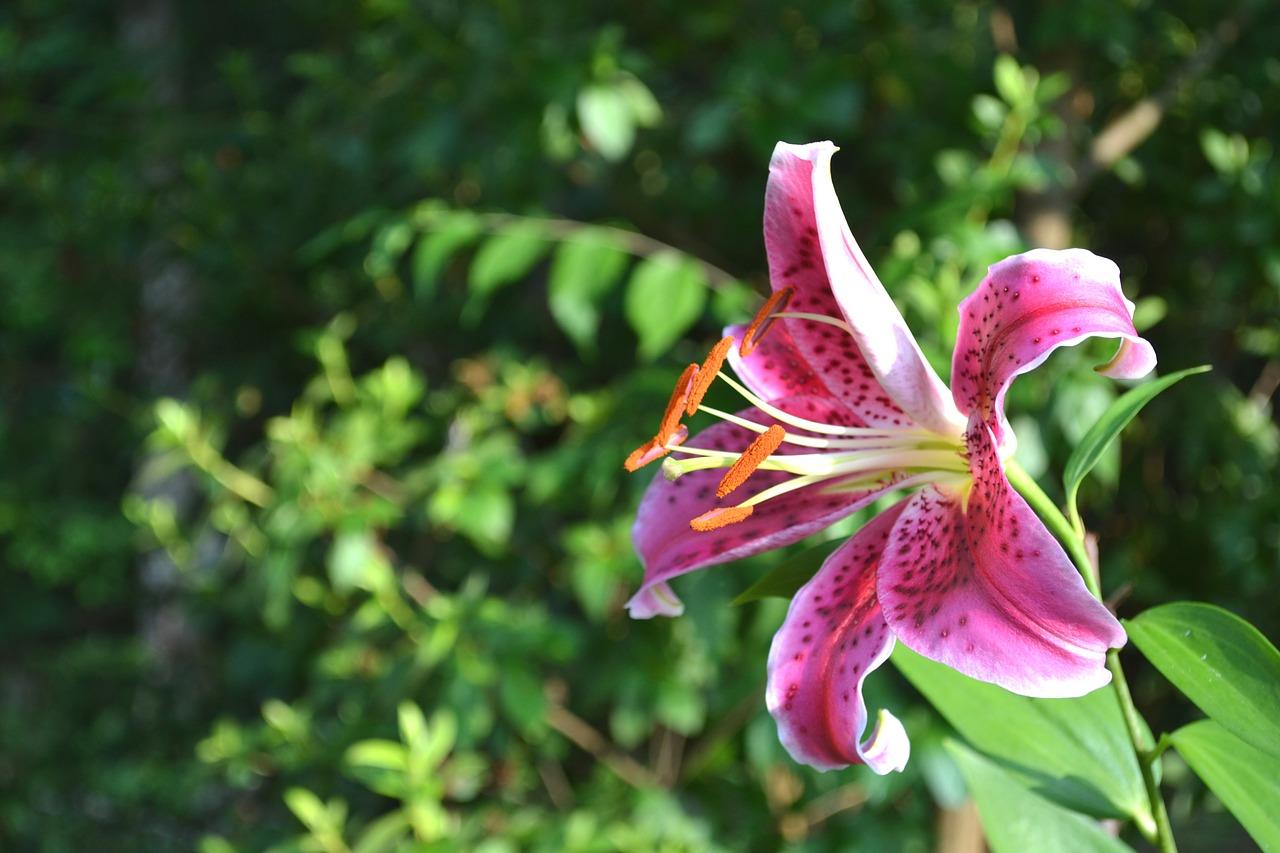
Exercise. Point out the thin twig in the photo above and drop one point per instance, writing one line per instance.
(601, 748)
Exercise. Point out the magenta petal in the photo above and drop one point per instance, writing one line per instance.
(795, 260)
(775, 368)
(833, 636)
(890, 357)
(1028, 306)
(669, 548)
(986, 590)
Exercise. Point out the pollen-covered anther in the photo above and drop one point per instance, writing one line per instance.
(764, 320)
(759, 450)
(720, 517)
(707, 374)
(654, 448)
(675, 406)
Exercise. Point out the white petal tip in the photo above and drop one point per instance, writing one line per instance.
(656, 600)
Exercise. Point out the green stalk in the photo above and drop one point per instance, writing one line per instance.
(1072, 539)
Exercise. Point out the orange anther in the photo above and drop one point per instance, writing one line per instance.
(655, 449)
(644, 454)
(675, 406)
(720, 517)
(759, 450)
(767, 316)
(707, 374)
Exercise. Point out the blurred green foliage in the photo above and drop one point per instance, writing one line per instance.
(437, 264)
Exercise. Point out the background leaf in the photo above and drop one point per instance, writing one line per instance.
(585, 268)
(665, 296)
(507, 256)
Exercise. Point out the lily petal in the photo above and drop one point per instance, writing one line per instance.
(669, 548)
(791, 239)
(775, 368)
(981, 586)
(1028, 306)
(887, 348)
(833, 636)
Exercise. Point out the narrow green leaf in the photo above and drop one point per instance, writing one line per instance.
(507, 256)
(1224, 664)
(1017, 820)
(1110, 425)
(664, 297)
(307, 808)
(1075, 752)
(586, 267)
(1247, 782)
(377, 753)
(413, 725)
(783, 580)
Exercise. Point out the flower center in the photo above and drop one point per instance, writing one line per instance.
(847, 458)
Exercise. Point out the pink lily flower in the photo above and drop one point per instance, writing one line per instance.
(843, 409)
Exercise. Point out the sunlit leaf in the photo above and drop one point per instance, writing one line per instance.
(1247, 782)
(1221, 662)
(665, 296)
(1075, 752)
(507, 257)
(586, 267)
(444, 236)
(1018, 820)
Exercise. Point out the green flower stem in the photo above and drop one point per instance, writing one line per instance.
(1057, 523)
(1072, 539)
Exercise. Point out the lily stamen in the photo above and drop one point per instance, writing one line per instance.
(764, 319)
(671, 433)
(755, 454)
(707, 374)
(720, 517)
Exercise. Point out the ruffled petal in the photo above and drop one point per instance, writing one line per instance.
(833, 636)
(986, 590)
(669, 548)
(1028, 306)
(796, 260)
(775, 368)
(889, 352)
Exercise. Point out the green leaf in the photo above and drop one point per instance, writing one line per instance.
(377, 753)
(1075, 752)
(507, 257)
(1010, 81)
(1018, 820)
(1113, 421)
(446, 234)
(785, 579)
(606, 120)
(307, 808)
(1221, 662)
(664, 297)
(585, 268)
(1247, 783)
(384, 835)
(389, 244)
